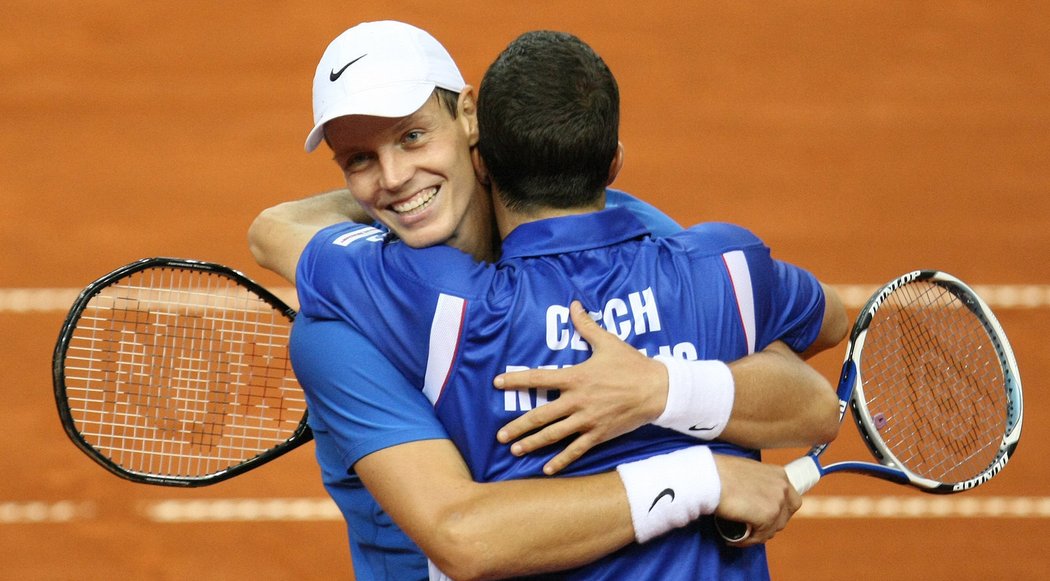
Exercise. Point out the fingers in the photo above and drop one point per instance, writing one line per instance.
(760, 534)
(533, 420)
(588, 329)
(570, 454)
(792, 503)
(543, 438)
(585, 440)
(758, 494)
(528, 378)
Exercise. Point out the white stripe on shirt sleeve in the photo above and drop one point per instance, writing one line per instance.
(739, 273)
(445, 331)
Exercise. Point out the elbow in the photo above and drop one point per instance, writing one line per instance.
(819, 422)
(828, 434)
(455, 546)
(257, 237)
(272, 242)
(828, 419)
(839, 327)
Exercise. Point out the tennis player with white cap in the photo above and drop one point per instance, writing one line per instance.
(395, 108)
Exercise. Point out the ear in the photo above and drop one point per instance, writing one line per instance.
(467, 112)
(480, 171)
(617, 163)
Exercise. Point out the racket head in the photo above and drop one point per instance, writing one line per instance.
(176, 372)
(937, 397)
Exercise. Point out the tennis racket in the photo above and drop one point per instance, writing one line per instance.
(176, 372)
(934, 390)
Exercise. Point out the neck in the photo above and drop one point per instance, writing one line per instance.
(477, 234)
(507, 220)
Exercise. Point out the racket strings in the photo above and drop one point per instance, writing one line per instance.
(180, 372)
(933, 384)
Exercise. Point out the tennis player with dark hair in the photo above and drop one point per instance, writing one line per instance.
(777, 302)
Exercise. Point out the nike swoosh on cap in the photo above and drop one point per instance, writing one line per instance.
(334, 75)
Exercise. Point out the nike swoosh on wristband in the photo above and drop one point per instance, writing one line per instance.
(663, 493)
(334, 75)
(697, 428)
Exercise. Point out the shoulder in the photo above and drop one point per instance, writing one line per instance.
(350, 251)
(716, 238)
(725, 233)
(339, 239)
(656, 221)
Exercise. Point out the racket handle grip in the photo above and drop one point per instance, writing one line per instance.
(802, 473)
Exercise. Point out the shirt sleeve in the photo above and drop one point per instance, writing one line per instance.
(789, 301)
(320, 265)
(354, 393)
(777, 300)
(796, 305)
(657, 222)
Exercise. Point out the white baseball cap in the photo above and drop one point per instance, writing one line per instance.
(383, 69)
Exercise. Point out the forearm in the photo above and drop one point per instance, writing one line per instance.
(780, 401)
(501, 529)
(279, 234)
(535, 526)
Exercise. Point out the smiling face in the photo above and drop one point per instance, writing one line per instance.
(414, 174)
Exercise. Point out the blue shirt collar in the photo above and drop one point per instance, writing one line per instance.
(572, 233)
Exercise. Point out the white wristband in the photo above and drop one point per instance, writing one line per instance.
(671, 490)
(699, 397)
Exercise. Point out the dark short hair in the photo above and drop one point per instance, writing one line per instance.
(548, 118)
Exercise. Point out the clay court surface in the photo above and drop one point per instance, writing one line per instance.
(859, 139)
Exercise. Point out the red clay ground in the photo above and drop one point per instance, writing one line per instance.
(860, 139)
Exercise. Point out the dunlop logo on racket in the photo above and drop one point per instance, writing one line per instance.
(999, 465)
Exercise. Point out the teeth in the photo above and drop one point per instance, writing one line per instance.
(415, 202)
